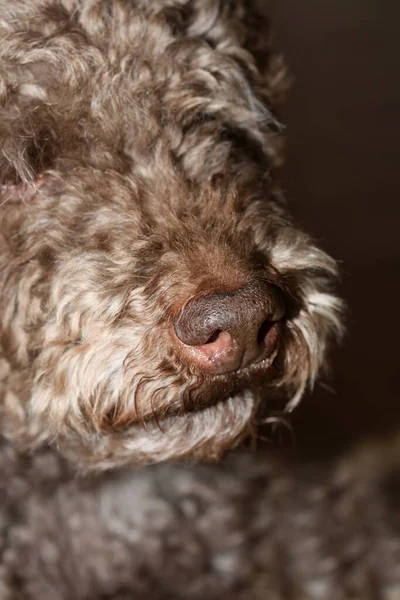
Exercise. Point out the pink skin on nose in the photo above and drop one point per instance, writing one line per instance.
(224, 354)
(220, 355)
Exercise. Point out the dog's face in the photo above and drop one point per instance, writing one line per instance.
(155, 293)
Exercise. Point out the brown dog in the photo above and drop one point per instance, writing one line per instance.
(155, 297)
(154, 292)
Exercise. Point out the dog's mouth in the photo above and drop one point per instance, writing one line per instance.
(184, 386)
(210, 387)
(208, 390)
(195, 394)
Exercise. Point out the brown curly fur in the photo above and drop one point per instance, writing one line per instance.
(249, 528)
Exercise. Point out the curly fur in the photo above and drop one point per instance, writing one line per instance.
(138, 145)
(249, 528)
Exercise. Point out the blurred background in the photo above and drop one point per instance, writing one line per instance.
(342, 178)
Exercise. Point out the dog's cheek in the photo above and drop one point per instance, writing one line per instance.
(75, 385)
(95, 377)
(314, 324)
(314, 316)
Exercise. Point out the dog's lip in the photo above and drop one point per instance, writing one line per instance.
(260, 367)
(216, 388)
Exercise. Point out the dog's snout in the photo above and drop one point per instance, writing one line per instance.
(227, 331)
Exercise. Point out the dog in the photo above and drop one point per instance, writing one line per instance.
(153, 287)
(156, 296)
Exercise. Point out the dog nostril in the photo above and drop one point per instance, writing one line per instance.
(263, 332)
(214, 337)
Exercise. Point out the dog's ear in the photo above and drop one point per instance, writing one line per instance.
(28, 145)
(29, 139)
(20, 192)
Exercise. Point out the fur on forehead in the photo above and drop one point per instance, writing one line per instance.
(155, 78)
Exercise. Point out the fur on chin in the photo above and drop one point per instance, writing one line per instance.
(202, 435)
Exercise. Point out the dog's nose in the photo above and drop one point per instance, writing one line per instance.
(227, 331)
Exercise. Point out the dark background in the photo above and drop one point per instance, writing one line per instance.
(342, 179)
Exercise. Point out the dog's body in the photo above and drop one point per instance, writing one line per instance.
(249, 528)
(154, 296)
